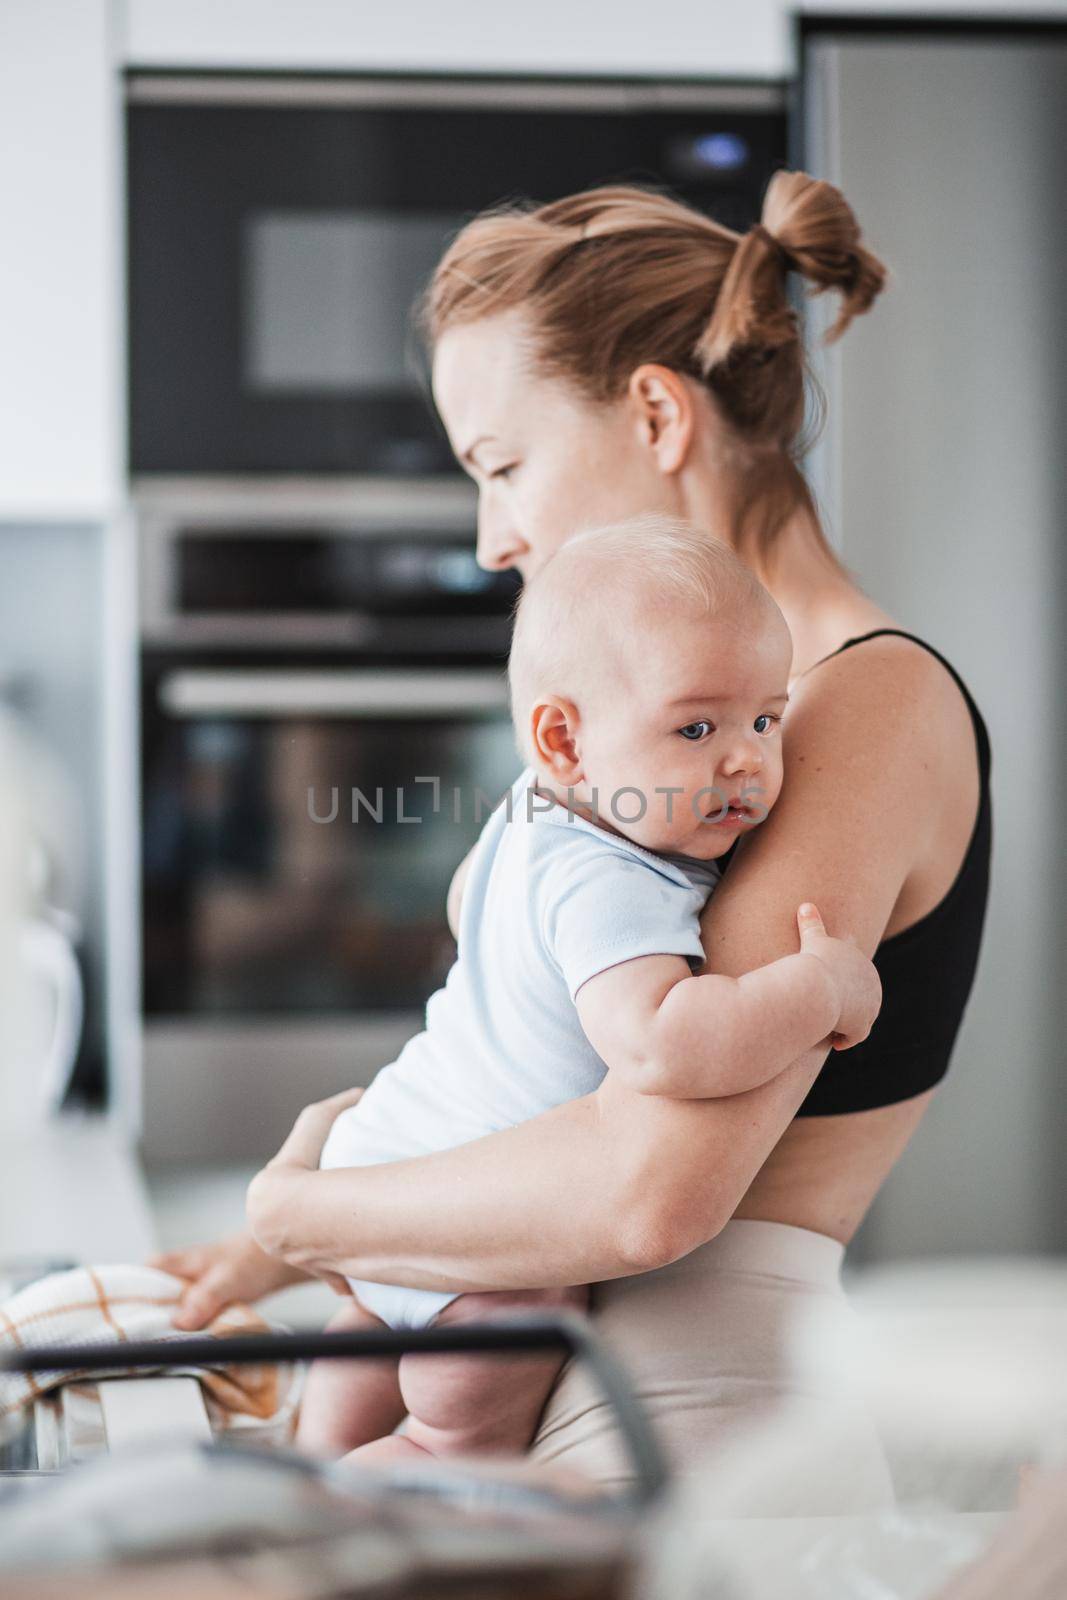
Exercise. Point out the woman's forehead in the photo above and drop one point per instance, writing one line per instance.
(484, 383)
(477, 368)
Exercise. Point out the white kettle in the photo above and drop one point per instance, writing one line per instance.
(53, 1008)
(41, 992)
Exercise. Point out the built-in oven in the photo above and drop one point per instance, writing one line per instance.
(324, 730)
(280, 228)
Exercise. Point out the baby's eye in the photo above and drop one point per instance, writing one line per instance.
(503, 472)
(769, 719)
(695, 730)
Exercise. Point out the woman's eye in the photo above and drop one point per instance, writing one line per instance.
(767, 718)
(503, 472)
(695, 730)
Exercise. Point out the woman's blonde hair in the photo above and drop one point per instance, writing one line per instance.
(624, 274)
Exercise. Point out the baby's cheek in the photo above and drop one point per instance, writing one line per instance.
(771, 787)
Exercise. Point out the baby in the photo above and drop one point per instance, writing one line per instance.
(648, 679)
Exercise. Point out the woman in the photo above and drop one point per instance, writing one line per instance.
(610, 353)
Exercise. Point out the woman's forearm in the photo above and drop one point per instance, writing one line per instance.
(611, 1184)
(420, 1221)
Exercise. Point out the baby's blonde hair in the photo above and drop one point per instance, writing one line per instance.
(578, 620)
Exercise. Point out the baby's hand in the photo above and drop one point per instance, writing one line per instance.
(859, 988)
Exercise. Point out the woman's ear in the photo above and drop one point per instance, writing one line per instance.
(555, 731)
(665, 413)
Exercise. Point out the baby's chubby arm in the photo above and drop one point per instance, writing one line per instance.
(666, 1032)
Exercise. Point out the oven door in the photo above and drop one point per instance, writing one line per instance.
(301, 828)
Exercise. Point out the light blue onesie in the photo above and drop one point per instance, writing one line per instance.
(549, 901)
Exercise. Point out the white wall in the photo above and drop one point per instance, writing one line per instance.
(945, 475)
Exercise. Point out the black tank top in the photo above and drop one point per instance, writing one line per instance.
(926, 970)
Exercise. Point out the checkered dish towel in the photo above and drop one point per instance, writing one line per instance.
(102, 1305)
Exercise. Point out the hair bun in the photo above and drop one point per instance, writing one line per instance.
(809, 227)
(773, 243)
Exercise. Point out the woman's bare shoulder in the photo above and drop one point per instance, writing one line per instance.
(889, 669)
(908, 704)
(863, 738)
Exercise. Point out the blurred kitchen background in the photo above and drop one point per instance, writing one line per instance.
(236, 559)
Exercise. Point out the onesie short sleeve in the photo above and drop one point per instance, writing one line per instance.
(602, 906)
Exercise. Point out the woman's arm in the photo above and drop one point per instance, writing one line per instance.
(576, 1195)
(617, 1182)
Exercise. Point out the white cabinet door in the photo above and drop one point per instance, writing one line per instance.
(60, 227)
(598, 36)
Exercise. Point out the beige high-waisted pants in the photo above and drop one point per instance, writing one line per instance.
(712, 1346)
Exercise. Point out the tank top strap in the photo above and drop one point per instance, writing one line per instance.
(980, 730)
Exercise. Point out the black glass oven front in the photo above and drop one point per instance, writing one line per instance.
(280, 229)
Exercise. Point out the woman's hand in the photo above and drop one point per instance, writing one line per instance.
(220, 1273)
(311, 1129)
(239, 1268)
(269, 1203)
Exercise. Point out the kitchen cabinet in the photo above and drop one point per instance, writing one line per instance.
(720, 38)
(600, 36)
(60, 285)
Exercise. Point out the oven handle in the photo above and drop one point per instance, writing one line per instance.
(200, 692)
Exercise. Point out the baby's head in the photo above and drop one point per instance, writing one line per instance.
(648, 679)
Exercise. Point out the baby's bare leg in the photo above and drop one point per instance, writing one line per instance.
(476, 1404)
(349, 1403)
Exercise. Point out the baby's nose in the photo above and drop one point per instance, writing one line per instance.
(746, 756)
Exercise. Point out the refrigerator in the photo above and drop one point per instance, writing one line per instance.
(942, 476)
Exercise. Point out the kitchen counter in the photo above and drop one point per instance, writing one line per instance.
(902, 1555)
(73, 1190)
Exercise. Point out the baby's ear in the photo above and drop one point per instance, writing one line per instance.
(555, 735)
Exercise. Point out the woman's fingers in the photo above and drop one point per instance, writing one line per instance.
(179, 1263)
(324, 1112)
(207, 1292)
(203, 1300)
(304, 1144)
(338, 1102)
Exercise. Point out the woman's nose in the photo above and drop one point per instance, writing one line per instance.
(499, 545)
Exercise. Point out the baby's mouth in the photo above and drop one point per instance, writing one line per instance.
(736, 812)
